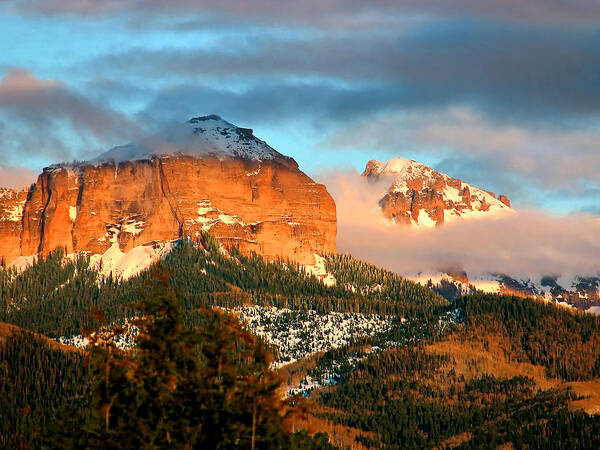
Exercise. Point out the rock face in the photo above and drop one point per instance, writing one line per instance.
(421, 196)
(207, 176)
(12, 203)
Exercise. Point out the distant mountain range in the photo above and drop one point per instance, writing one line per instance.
(581, 292)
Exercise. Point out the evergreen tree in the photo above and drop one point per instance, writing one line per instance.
(179, 388)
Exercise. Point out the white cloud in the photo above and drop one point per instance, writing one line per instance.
(529, 243)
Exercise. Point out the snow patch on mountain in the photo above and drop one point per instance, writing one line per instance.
(23, 263)
(200, 136)
(297, 334)
(319, 270)
(424, 220)
(11, 212)
(123, 266)
(14, 213)
(73, 213)
(209, 215)
(132, 225)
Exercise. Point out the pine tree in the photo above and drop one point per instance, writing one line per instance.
(179, 388)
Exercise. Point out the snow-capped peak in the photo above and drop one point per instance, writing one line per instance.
(397, 166)
(422, 196)
(199, 136)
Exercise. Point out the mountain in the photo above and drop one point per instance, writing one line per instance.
(205, 174)
(582, 292)
(423, 197)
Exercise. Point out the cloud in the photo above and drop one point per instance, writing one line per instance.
(513, 73)
(273, 102)
(45, 119)
(16, 177)
(472, 147)
(330, 12)
(529, 243)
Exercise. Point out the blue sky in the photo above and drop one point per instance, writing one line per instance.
(502, 94)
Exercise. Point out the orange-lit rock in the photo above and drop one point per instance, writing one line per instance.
(421, 196)
(267, 205)
(12, 204)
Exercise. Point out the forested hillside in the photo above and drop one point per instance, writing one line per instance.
(38, 378)
(564, 341)
(436, 391)
(480, 372)
(208, 387)
(407, 398)
(376, 283)
(54, 296)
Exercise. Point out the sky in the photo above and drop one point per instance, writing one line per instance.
(503, 94)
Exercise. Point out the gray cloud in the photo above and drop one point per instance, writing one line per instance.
(330, 12)
(273, 102)
(511, 72)
(45, 119)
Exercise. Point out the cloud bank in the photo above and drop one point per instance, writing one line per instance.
(46, 120)
(332, 12)
(529, 243)
(510, 72)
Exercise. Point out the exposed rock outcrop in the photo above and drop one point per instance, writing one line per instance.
(12, 203)
(212, 176)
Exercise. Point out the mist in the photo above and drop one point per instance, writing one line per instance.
(16, 177)
(526, 244)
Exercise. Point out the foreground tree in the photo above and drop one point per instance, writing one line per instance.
(179, 388)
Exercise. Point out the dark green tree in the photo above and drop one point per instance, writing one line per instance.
(178, 388)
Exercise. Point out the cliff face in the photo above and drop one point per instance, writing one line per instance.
(260, 204)
(12, 203)
(421, 196)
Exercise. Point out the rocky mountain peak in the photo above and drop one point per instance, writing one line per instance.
(204, 175)
(200, 136)
(421, 196)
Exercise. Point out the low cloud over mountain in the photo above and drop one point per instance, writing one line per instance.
(528, 243)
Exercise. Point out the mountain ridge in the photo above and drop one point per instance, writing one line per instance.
(581, 292)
